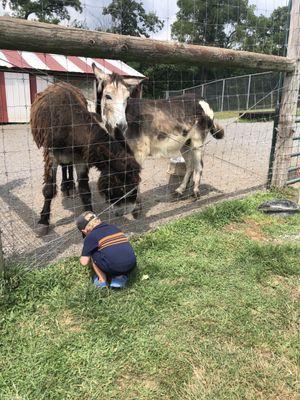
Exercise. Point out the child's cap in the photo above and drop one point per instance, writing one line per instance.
(84, 219)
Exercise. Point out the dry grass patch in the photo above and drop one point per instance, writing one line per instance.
(251, 228)
(67, 321)
(285, 283)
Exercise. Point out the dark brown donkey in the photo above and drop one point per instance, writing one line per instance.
(71, 135)
(113, 93)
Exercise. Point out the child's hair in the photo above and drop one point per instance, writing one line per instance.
(94, 222)
(87, 220)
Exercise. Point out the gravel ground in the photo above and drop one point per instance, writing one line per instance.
(232, 166)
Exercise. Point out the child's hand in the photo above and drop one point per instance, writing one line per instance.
(84, 260)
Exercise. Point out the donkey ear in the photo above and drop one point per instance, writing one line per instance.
(101, 76)
(132, 83)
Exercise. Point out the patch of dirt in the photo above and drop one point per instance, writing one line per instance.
(264, 352)
(172, 282)
(296, 293)
(250, 228)
(278, 281)
(67, 322)
(129, 380)
(202, 382)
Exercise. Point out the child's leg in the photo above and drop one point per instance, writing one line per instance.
(101, 275)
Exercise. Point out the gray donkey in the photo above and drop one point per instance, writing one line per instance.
(169, 127)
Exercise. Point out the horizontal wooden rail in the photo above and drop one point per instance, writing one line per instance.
(19, 34)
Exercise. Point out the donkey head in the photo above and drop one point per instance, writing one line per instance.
(113, 93)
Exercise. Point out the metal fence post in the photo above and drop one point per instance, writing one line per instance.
(248, 93)
(222, 99)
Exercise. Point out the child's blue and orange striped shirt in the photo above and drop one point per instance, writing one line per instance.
(108, 244)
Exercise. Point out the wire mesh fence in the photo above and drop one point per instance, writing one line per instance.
(234, 165)
(237, 93)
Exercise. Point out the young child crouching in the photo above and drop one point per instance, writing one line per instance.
(107, 250)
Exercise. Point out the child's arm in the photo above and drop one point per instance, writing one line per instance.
(85, 260)
(90, 244)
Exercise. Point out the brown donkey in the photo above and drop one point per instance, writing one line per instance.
(71, 135)
(113, 93)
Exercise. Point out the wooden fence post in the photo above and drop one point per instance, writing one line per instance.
(289, 101)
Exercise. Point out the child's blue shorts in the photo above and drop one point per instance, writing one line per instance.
(113, 269)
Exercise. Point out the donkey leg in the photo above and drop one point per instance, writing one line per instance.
(186, 153)
(82, 171)
(71, 176)
(138, 206)
(49, 191)
(198, 166)
(67, 183)
(64, 183)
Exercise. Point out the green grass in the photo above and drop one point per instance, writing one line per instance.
(210, 314)
(235, 114)
(226, 114)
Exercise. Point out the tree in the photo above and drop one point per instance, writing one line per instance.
(130, 18)
(52, 11)
(231, 26)
(215, 23)
(268, 35)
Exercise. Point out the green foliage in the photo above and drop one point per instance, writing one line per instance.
(267, 35)
(52, 11)
(233, 25)
(224, 24)
(216, 24)
(130, 18)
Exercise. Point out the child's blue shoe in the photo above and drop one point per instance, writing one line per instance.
(119, 282)
(98, 284)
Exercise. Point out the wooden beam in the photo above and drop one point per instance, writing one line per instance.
(19, 34)
(288, 106)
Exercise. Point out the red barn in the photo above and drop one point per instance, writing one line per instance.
(23, 74)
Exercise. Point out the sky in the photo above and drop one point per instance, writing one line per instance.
(165, 9)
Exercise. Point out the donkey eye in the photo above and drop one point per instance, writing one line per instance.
(108, 97)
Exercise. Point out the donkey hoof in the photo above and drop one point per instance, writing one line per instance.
(178, 195)
(42, 230)
(197, 195)
(137, 212)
